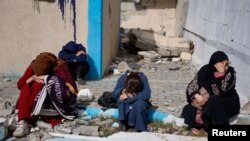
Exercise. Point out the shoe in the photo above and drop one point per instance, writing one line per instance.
(123, 127)
(21, 130)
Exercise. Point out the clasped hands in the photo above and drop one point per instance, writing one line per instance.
(38, 79)
(124, 95)
(200, 98)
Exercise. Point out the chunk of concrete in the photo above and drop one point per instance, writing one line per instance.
(185, 56)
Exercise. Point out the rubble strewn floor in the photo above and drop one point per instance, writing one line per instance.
(168, 81)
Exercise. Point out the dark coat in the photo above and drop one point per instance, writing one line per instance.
(134, 110)
(223, 102)
(68, 52)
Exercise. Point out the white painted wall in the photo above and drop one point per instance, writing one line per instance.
(24, 32)
(221, 25)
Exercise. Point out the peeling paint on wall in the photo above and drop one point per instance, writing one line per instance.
(62, 5)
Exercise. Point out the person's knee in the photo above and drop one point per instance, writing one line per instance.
(214, 99)
(140, 105)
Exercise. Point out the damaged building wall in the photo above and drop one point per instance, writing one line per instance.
(25, 32)
(156, 15)
(220, 25)
(111, 26)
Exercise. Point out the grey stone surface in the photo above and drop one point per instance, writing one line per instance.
(166, 85)
(168, 90)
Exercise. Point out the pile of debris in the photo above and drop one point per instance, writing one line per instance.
(155, 46)
(140, 47)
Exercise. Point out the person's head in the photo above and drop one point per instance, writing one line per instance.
(133, 83)
(44, 63)
(219, 59)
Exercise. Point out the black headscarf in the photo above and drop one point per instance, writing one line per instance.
(217, 56)
(206, 73)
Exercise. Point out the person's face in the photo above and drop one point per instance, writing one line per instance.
(222, 66)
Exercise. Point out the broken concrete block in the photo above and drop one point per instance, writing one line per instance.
(164, 52)
(123, 66)
(175, 45)
(185, 56)
(149, 54)
(86, 130)
(105, 122)
(6, 108)
(61, 129)
(144, 46)
(176, 59)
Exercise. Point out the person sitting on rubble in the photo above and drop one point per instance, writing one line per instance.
(48, 74)
(132, 92)
(211, 95)
(76, 57)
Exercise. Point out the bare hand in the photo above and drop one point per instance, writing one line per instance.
(123, 96)
(198, 98)
(40, 79)
(80, 52)
(32, 78)
(205, 95)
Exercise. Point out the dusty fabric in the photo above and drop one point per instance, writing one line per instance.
(44, 63)
(63, 72)
(62, 99)
(133, 111)
(58, 64)
(28, 92)
(27, 95)
(223, 101)
(68, 52)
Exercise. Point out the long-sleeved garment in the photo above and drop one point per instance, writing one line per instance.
(78, 65)
(223, 102)
(133, 110)
(29, 91)
(68, 52)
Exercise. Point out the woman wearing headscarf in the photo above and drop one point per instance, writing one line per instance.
(76, 57)
(133, 92)
(45, 65)
(211, 95)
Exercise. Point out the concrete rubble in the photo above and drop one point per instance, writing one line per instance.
(166, 46)
(168, 81)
